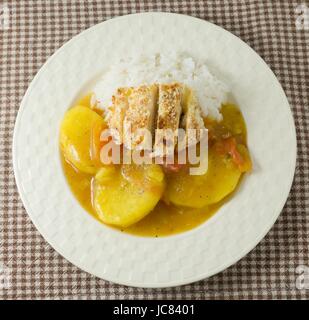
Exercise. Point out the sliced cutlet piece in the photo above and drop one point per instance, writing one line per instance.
(192, 118)
(140, 116)
(169, 111)
(117, 113)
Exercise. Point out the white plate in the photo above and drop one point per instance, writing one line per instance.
(154, 262)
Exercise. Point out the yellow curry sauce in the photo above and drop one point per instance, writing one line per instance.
(164, 220)
(167, 219)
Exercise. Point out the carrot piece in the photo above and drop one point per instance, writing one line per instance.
(231, 148)
(238, 153)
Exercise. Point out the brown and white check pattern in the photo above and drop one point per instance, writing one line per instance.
(37, 28)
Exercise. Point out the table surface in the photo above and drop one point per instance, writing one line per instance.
(275, 269)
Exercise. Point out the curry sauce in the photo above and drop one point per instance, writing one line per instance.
(229, 159)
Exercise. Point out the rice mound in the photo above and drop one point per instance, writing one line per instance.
(159, 68)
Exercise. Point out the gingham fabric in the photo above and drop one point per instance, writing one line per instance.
(31, 269)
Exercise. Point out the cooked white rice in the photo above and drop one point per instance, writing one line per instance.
(158, 68)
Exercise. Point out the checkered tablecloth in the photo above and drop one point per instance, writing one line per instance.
(30, 31)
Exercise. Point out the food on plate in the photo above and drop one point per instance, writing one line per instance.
(119, 106)
(155, 198)
(125, 196)
(140, 114)
(168, 114)
(192, 118)
(80, 138)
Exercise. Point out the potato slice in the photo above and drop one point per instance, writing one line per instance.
(197, 191)
(127, 194)
(80, 138)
